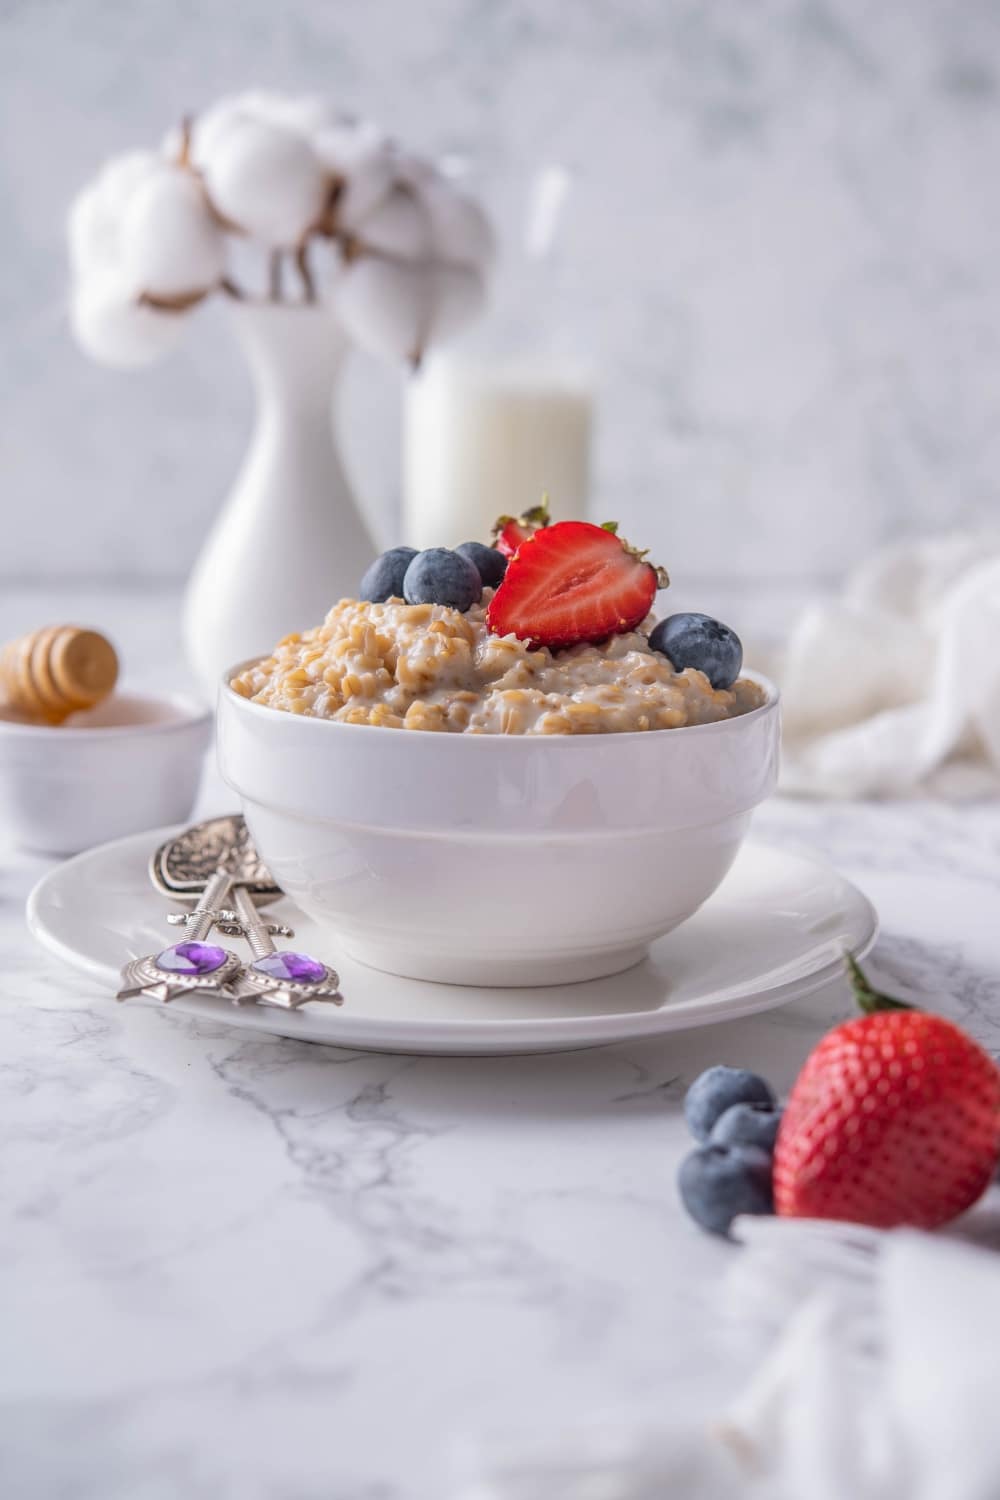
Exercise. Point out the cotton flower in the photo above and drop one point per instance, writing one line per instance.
(397, 310)
(171, 246)
(459, 228)
(416, 260)
(114, 328)
(305, 115)
(399, 254)
(362, 163)
(398, 224)
(264, 179)
(144, 245)
(95, 214)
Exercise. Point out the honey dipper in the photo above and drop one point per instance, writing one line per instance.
(57, 671)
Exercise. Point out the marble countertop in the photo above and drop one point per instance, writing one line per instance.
(242, 1266)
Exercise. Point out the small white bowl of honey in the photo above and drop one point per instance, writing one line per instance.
(81, 763)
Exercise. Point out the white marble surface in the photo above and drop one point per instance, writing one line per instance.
(781, 256)
(236, 1267)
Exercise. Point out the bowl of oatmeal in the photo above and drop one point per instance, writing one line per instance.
(475, 808)
(427, 667)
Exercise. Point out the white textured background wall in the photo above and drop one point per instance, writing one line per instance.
(785, 257)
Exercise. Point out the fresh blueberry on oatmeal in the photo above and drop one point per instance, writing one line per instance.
(384, 579)
(439, 576)
(702, 643)
(490, 564)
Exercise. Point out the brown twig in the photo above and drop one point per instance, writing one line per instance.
(184, 155)
(352, 248)
(178, 303)
(305, 272)
(326, 224)
(275, 269)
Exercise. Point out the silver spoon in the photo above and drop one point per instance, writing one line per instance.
(279, 977)
(193, 964)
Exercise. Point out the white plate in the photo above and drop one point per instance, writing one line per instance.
(775, 930)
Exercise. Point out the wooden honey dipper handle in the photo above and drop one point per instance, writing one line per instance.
(55, 672)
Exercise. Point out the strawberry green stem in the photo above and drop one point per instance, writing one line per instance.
(868, 1000)
(538, 515)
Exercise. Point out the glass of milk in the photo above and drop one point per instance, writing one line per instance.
(488, 437)
(487, 434)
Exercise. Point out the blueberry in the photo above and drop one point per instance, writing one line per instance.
(490, 564)
(384, 579)
(747, 1125)
(718, 1182)
(716, 1090)
(701, 642)
(438, 576)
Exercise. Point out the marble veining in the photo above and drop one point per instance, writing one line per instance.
(241, 1266)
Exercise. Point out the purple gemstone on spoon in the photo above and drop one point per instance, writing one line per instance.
(298, 967)
(191, 958)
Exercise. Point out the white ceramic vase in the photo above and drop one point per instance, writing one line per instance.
(290, 540)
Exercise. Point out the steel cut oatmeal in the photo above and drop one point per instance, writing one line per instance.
(426, 666)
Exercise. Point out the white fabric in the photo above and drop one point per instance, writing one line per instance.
(881, 1381)
(895, 686)
(884, 1379)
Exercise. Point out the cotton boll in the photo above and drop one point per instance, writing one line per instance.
(170, 243)
(416, 169)
(419, 214)
(119, 178)
(264, 179)
(397, 311)
(210, 129)
(398, 225)
(341, 143)
(95, 213)
(173, 143)
(361, 158)
(366, 183)
(305, 115)
(460, 231)
(383, 307)
(92, 234)
(113, 328)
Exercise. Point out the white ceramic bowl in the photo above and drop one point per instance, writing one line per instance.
(133, 763)
(489, 859)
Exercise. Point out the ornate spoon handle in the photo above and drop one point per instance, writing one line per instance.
(192, 964)
(280, 977)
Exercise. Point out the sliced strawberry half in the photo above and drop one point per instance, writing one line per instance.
(510, 531)
(573, 582)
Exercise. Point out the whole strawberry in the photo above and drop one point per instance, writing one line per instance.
(894, 1119)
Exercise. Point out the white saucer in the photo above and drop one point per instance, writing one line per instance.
(775, 930)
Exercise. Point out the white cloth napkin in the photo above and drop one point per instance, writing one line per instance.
(894, 686)
(884, 1380)
(880, 1380)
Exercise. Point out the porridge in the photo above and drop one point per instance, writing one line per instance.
(429, 666)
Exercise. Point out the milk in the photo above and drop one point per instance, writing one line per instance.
(484, 439)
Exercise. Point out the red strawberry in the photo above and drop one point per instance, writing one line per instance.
(573, 582)
(510, 531)
(895, 1119)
